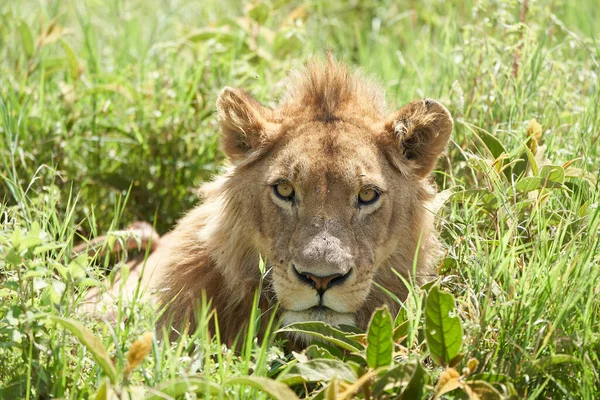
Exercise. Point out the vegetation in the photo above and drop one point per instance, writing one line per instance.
(107, 116)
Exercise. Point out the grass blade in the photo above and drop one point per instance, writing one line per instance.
(92, 343)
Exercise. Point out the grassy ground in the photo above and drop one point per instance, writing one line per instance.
(107, 116)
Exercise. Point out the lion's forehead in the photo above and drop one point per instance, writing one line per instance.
(329, 158)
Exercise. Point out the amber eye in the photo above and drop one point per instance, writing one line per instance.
(367, 196)
(284, 191)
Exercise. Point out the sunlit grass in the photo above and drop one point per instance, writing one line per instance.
(107, 116)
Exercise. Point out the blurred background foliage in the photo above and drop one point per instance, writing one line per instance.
(107, 116)
(102, 97)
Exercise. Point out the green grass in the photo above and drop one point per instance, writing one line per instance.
(107, 116)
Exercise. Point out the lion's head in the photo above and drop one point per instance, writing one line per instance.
(332, 190)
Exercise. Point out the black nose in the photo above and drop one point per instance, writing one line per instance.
(321, 283)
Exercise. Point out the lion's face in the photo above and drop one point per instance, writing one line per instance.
(333, 193)
(332, 207)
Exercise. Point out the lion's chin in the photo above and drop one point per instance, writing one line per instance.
(326, 315)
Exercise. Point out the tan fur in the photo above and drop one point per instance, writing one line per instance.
(329, 137)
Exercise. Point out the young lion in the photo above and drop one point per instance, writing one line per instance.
(327, 187)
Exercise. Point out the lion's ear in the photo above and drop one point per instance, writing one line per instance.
(243, 122)
(422, 129)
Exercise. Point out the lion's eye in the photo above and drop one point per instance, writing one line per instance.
(367, 196)
(284, 191)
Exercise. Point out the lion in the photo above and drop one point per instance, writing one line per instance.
(328, 187)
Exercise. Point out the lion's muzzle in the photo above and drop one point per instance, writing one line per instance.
(321, 283)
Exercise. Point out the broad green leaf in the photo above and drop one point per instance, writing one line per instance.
(397, 376)
(316, 351)
(26, 38)
(92, 343)
(275, 389)
(531, 183)
(414, 389)
(379, 339)
(492, 145)
(443, 331)
(554, 173)
(318, 370)
(321, 330)
(180, 387)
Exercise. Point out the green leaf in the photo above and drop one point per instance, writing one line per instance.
(324, 332)
(401, 331)
(531, 160)
(531, 183)
(16, 238)
(442, 330)
(33, 237)
(61, 269)
(276, 390)
(554, 173)
(92, 343)
(397, 376)
(379, 339)
(414, 389)
(72, 59)
(180, 387)
(13, 258)
(317, 351)
(544, 363)
(492, 145)
(259, 12)
(203, 34)
(26, 38)
(318, 370)
(78, 266)
(15, 389)
(103, 391)
(44, 248)
(489, 199)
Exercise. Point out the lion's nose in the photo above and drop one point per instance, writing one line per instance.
(322, 283)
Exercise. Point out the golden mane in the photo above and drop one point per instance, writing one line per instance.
(328, 90)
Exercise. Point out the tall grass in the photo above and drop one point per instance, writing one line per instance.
(107, 116)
